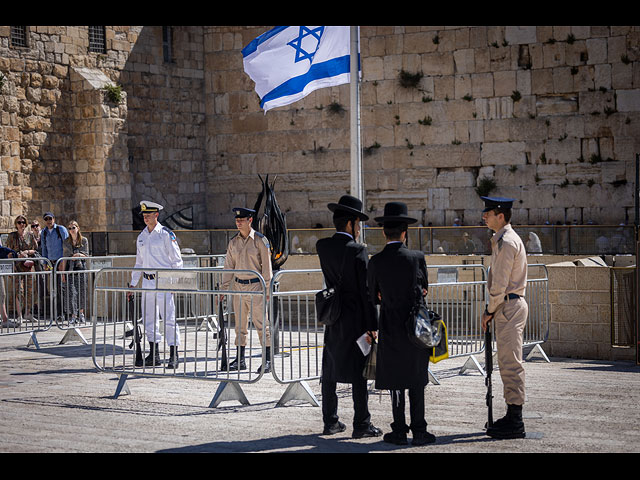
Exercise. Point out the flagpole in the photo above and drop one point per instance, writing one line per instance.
(356, 151)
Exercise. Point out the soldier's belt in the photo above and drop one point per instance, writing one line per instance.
(149, 276)
(245, 282)
(511, 296)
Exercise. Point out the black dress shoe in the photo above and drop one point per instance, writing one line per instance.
(370, 431)
(396, 438)
(238, 365)
(335, 428)
(423, 438)
(267, 367)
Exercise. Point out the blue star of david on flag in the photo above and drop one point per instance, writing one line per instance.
(314, 43)
(288, 63)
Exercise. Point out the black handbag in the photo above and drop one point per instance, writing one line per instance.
(425, 327)
(328, 306)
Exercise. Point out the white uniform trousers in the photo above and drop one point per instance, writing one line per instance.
(154, 306)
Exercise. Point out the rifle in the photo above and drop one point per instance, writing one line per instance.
(135, 331)
(488, 365)
(222, 335)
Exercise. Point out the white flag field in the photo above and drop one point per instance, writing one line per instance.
(288, 63)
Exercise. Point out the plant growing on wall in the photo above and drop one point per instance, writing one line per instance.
(113, 93)
(3, 79)
(410, 80)
(485, 186)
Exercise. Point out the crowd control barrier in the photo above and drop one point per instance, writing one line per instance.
(26, 303)
(122, 338)
(74, 281)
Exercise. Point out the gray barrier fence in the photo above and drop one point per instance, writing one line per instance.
(26, 303)
(205, 354)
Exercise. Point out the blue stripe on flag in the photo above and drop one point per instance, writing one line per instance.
(255, 43)
(331, 68)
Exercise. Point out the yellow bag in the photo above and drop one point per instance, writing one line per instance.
(441, 350)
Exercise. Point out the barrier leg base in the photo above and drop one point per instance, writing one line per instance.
(472, 364)
(538, 348)
(228, 391)
(298, 391)
(72, 334)
(432, 378)
(122, 385)
(33, 340)
(210, 324)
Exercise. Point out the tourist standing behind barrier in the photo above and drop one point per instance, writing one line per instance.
(23, 242)
(508, 309)
(397, 278)
(51, 239)
(75, 296)
(344, 266)
(157, 247)
(248, 250)
(5, 252)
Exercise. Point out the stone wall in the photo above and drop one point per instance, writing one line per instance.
(552, 114)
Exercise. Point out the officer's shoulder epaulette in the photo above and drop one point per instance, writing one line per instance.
(264, 239)
(170, 232)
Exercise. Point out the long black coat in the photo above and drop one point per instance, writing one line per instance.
(398, 274)
(342, 359)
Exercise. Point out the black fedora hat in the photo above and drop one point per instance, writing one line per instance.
(395, 212)
(349, 204)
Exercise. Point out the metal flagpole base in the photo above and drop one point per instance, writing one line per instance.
(298, 391)
(228, 391)
(72, 334)
(122, 385)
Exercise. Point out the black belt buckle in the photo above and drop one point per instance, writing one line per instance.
(246, 282)
(149, 276)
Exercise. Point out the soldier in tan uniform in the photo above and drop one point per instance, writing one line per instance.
(248, 250)
(508, 310)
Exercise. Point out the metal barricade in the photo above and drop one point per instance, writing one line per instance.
(25, 298)
(118, 319)
(536, 331)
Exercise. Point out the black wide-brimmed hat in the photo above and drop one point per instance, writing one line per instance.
(350, 205)
(395, 212)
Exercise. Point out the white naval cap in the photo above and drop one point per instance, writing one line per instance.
(149, 207)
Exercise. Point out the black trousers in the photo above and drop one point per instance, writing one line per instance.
(416, 411)
(361, 415)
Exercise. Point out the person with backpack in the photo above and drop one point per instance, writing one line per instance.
(52, 239)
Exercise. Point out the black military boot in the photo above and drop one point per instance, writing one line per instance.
(267, 362)
(509, 426)
(153, 359)
(174, 359)
(239, 363)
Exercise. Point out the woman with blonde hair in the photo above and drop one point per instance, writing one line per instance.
(74, 248)
(23, 242)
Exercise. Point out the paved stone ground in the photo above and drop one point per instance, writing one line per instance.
(54, 400)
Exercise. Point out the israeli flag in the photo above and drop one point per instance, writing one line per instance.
(288, 63)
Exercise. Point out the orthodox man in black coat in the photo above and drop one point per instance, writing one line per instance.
(397, 279)
(344, 266)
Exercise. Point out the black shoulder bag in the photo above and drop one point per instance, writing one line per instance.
(328, 301)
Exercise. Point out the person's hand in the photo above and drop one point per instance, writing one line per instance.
(130, 294)
(486, 319)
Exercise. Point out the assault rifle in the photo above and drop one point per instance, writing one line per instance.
(135, 331)
(488, 366)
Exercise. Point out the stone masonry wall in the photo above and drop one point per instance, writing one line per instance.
(551, 114)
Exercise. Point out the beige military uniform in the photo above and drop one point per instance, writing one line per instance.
(508, 278)
(251, 253)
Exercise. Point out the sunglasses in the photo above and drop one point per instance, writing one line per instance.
(46, 219)
(35, 225)
(21, 222)
(72, 228)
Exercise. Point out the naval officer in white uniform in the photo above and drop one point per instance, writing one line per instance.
(157, 247)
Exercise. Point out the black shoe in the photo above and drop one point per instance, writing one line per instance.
(335, 428)
(238, 365)
(267, 367)
(509, 426)
(423, 438)
(369, 431)
(174, 359)
(153, 359)
(396, 438)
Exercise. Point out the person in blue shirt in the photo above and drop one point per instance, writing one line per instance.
(52, 238)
